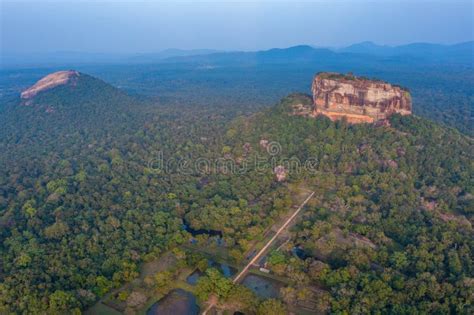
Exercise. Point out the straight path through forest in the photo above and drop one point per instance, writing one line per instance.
(264, 248)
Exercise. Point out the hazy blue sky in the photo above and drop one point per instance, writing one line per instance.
(125, 26)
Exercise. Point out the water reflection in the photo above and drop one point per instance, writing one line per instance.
(177, 302)
(262, 286)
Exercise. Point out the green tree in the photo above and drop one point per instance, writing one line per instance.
(61, 301)
(271, 306)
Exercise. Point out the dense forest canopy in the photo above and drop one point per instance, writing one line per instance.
(83, 204)
(391, 230)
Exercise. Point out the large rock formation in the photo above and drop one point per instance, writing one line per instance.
(358, 99)
(50, 81)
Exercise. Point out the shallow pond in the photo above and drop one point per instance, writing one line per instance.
(193, 278)
(177, 302)
(262, 286)
(300, 253)
(195, 232)
(225, 269)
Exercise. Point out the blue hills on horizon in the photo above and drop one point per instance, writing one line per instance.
(413, 48)
(420, 52)
(459, 53)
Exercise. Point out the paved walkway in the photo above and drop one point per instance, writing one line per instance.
(264, 248)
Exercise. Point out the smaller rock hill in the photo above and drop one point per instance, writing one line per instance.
(51, 81)
(72, 92)
(67, 103)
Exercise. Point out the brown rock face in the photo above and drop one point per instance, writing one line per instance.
(358, 99)
(50, 81)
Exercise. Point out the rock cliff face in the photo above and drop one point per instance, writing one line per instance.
(358, 99)
(50, 81)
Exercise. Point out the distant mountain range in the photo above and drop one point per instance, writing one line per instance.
(457, 53)
(416, 49)
(72, 58)
(420, 52)
(168, 53)
(295, 54)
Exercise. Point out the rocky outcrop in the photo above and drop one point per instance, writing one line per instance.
(51, 81)
(280, 173)
(358, 99)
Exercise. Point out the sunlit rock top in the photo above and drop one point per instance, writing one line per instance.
(51, 81)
